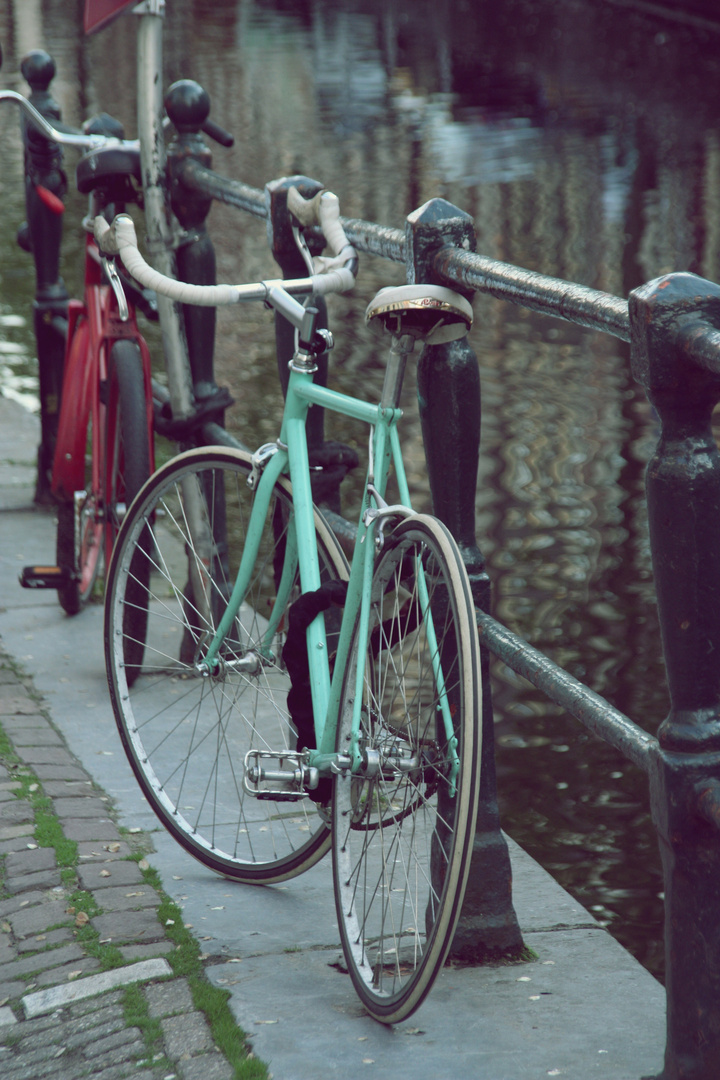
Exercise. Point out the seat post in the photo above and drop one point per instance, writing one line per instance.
(401, 347)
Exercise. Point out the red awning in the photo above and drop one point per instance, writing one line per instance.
(99, 13)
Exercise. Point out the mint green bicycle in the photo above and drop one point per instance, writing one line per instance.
(286, 703)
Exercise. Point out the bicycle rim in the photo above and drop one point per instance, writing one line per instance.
(187, 736)
(403, 827)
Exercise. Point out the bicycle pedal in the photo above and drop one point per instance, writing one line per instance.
(279, 776)
(45, 577)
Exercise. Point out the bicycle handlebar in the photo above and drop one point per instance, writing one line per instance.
(335, 273)
(64, 138)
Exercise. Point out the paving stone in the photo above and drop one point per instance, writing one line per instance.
(16, 704)
(67, 789)
(105, 999)
(85, 966)
(45, 755)
(103, 852)
(7, 1016)
(146, 952)
(38, 917)
(16, 812)
(41, 858)
(89, 806)
(7, 949)
(211, 1066)
(24, 735)
(98, 876)
(128, 897)
(118, 1040)
(41, 941)
(90, 828)
(53, 771)
(92, 1029)
(11, 989)
(19, 843)
(186, 1035)
(166, 999)
(15, 903)
(43, 879)
(129, 926)
(23, 721)
(43, 961)
(14, 832)
(48, 1000)
(120, 1072)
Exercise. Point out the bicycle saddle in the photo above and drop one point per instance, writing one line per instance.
(431, 313)
(106, 165)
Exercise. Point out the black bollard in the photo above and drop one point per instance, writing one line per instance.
(675, 333)
(188, 106)
(449, 399)
(45, 186)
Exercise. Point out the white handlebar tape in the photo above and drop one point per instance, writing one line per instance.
(119, 238)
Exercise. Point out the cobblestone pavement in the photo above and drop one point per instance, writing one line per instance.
(87, 986)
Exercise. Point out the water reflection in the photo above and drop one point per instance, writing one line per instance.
(583, 140)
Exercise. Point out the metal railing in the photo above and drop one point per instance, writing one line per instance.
(673, 326)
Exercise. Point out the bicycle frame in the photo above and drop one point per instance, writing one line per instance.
(86, 370)
(301, 553)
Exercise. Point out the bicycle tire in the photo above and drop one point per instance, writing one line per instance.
(402, 836)
(186, 736)
(128, 464)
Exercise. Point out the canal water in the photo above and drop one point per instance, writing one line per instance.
(582, 137)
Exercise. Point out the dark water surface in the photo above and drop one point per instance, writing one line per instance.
(583, 139)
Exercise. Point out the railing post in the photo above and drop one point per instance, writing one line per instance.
(449, 398)
(45, 185)
(683, 491)
(188, 106)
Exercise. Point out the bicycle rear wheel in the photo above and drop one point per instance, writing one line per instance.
(186, 736)
(403, 828)
(128, 464)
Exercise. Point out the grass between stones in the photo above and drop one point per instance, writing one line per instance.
(184, 960)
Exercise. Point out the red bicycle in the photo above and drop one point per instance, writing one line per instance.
(104, 443)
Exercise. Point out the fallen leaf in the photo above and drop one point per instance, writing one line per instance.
(220, 908)
(112, 847)
(144, 864)
(267, 1021)
(135, 829)
(33, 787)
(70, 911)
(169, 922)
(5, 927)
(82, 918)
(74, 974)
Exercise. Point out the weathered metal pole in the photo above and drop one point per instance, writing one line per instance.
(45, 186)
(449, 398)
(188, 106)
(673, 320)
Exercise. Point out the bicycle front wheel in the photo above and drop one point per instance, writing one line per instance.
(403, 826)
(186, 736)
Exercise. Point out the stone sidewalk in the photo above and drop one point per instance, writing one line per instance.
(84, 946)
